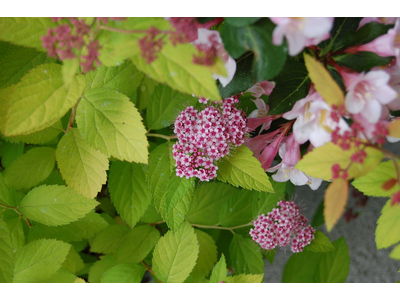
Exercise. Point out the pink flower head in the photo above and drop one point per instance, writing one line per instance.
(313, 120)
(301, 32)
(366, 93)
(283, 226)
(210, 43)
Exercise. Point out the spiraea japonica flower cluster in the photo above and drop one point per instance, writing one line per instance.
(207, 135)
(283, 226)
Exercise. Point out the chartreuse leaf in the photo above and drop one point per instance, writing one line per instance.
(73, 263)
(82, 167)
(164, 106)
(8, 196)
(323, 82)
(394, 128)
(319, 161)
(174, 67)
(84, 228)
(124, 78)
(219, 272)
(245, 255)
(69, 69)
(388, 230)
(30, 112)
(335, 201)
(62, 276)
(39, 260)
(16, 61)
(313, 267)
(16, 229)
(100, 267)
(320, 243)
(41, 137)
(207, 255)
(55, 205)
(128, 191)
(371, 183)
(79, 280)
(112, 124)
(109, 239)
(5, 98)
(6, 254)
(25, 31)
(242, 169)
(135, 245)
(30, 168)
(246, 278)
(176, 254)
(395, 254)
(124, 273)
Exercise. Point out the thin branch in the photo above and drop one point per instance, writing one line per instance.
(150, 270)
(166, 137)
(18, 212)
(72, 117)
(126, 31)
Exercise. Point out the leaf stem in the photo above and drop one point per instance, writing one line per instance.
(17, 211)
(72, 117)
(150, 270)
(167, 137)
(231, 229)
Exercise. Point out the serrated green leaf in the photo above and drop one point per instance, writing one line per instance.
(246, 278)
(174, 67)
(207, 255)
(55, 205)
(361, 61)
(73, 262)
(8, 196)
(388, 230)
(82, 167)
(16, 229)
(6, 254)
(69, 69)
(219, 272)
(109, 239)
(25, 31)
(395, 254)
(245, 255)
(267, 201)
(30, 168)
(39, 260)
(100, 267)
(62, 276)
(242, 169)
(128, 190)
(176, 254)
(240, 22)
(84, 228)
(137, 244)
(5, 99)
(144, 93)
(113, 125)
(371, 183)
(39, 138)
(124, 273)
(320, 243)
(30, 112)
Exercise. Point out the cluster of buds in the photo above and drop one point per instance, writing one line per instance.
(281, 227)
(206, 136)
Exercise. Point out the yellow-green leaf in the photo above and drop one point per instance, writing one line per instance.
(6, 254)
(246, 278)
(335, 201)
(395, 254)
(388, 230)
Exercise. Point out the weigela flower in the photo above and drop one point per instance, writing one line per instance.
(301, 32)
(283, 226)
(206, 136)
(382, 20)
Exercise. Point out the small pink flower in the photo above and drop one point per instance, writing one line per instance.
(301, 32)
(261, 88)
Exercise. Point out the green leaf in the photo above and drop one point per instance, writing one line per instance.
(291, 85)
(320, 243)
(388, 230)
(108, 240)
(371, 183)
(207, 255)
(241, 168)
(112, 124)
(16, 61)
(246, 278)
(30, 112)
(100, 267)
(176, 254)
(135, 246)
(25, 31)
(84, 228)
(30, 168)
(269, 59)
(144, 93)
(73, 263)
(6, 254)
(8, 196)
(82, 167)
(267, 201)
(16, 229)
(318, 218)
(245, 255)
(40, 260)
(395, 254)
(124, 273)
(43, 136)
(240, 22)
(128, 191)
(55, 205)
(361, 61)
(124, 78)
(164, 106)
(62, 276)
(219, 272)
(69, 69)
(174, 67)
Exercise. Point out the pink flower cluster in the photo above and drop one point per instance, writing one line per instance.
(281, 227)
(206, 136)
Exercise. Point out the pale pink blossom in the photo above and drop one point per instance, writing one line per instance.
(210, 37)
(261, 88)
(382, 20)
(301, 32)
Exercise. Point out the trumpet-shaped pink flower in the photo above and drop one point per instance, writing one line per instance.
(301, 32)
